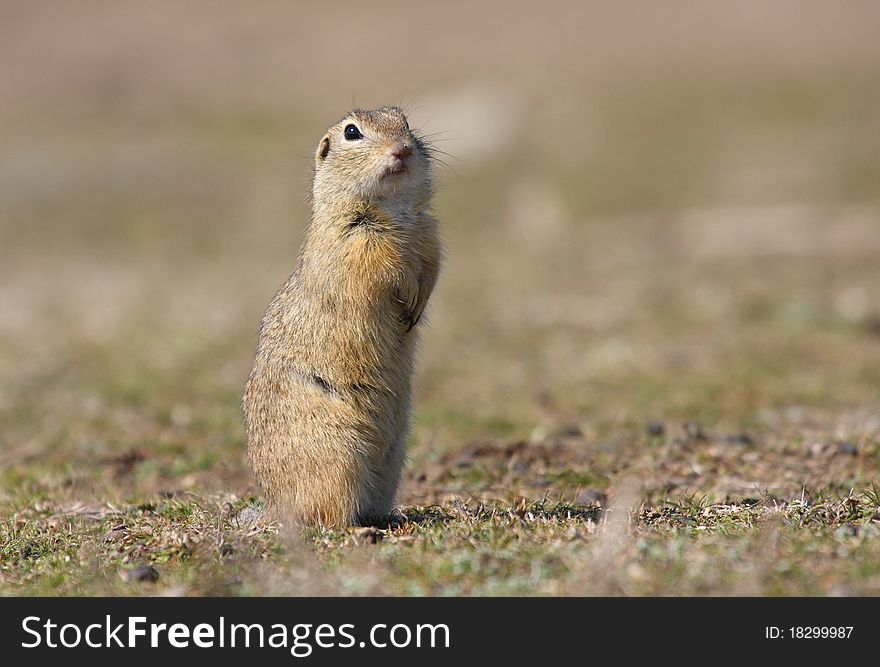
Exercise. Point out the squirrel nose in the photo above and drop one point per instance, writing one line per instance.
(402, 151)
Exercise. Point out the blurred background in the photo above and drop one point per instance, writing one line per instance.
(652, 212)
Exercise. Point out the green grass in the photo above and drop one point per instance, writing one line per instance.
(198, 547)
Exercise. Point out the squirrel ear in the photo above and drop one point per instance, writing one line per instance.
(323, 148)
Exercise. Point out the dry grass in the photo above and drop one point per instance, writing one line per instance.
(653, 359)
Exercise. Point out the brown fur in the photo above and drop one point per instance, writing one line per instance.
(327, 402)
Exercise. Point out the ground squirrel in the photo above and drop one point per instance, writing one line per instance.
(327, 403)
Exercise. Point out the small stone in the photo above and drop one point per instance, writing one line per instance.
(249, 516)
(847, 449)
(656, 429)
(369, 534)
(742, 439)
(570, 431)
(140, 573)
(591, 497)
(849, 530)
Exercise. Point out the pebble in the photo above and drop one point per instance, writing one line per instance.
(140, 573)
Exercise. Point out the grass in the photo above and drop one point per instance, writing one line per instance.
(651, 366)
(556, 516)
(814, 545)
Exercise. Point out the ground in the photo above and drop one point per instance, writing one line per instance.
(651, 365)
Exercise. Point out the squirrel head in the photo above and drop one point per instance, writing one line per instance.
(372, 156)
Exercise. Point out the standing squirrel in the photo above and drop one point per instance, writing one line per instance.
(327, 402)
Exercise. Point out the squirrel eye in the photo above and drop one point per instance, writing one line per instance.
(352, 133)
